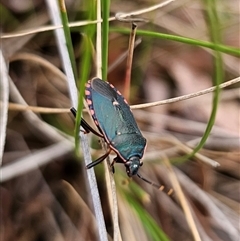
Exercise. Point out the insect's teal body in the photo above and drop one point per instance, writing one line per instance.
(114, 119)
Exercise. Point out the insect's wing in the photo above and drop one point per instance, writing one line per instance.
(115, 119)
(103, 88)
(111, 110)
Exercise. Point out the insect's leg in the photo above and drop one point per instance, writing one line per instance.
(100, 159)
(88, 128)
(117, 159)
(74, 111)
(85, 125)
(112, 165)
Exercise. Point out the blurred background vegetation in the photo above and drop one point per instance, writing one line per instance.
(50, 200)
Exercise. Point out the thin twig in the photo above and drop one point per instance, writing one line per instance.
(145, 10)
(39, 126)
(188, 150)
(215, 214)
(40, 61)
(13, 106)
(35, 160)
(186, 97)
(80, 23)
(4, 93)
(122, 57)
(99, 42)
(183, 201)
(110, 184)
(129, 61)
(122, 18)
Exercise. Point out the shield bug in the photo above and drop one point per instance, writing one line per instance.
(117, 126)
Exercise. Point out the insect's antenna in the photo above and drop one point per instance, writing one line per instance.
(159, 187)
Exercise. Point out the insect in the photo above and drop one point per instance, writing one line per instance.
(117, 126)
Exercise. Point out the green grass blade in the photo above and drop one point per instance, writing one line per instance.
(214, 31)
(85, 66)
(195, 42)
(215, 34)
(67, 34)
(134, 196)
(105, 32)
(153, 230)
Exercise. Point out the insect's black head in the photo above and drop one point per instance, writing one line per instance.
(132, 165)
